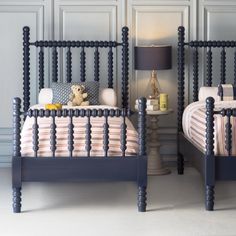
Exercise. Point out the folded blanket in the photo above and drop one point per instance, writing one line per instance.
(205, 92)
(227, 92)
(194, 126)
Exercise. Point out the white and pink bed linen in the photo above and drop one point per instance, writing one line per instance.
(194, 126)
(79, 135)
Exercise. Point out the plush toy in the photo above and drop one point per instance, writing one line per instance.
(55, 106)
(78, 96)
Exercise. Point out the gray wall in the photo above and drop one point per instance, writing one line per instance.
(150, 22)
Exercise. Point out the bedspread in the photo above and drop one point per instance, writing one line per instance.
(194, 126)
(79, 135)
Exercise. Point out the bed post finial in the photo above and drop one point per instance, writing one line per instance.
(125, 67)
(26, 67)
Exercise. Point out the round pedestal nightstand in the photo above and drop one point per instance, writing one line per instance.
(155, 166)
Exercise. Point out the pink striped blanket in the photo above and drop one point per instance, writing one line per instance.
(79, 136)
(194, 126)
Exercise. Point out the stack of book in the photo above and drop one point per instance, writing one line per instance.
(152, 105)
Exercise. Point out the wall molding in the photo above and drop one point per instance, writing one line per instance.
(40, 11)
(50, 15)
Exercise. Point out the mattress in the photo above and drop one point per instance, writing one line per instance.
(194, 126)
(79, 135)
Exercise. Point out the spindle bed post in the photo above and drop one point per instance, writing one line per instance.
(142, 181)
(209, 158)
(26, 68)
(16, 161)
(125, 67)
(181, 64)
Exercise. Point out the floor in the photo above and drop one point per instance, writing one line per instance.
(175, 207)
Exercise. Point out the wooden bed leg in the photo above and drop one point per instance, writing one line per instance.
(209, 198)
(180, 164)
(142, 198)
(16, 200)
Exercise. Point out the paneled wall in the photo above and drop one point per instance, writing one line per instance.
(150, 22)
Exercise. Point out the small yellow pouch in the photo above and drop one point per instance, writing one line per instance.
(55, 106)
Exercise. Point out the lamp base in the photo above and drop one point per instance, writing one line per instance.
(154, 85)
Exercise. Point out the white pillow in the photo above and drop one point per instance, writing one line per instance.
(107, 96)
(45, 96)
(205, 92)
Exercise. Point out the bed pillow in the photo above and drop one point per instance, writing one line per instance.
(205, 92)
(107, 96)
(62, 91)
(45, 96)
(227, 92)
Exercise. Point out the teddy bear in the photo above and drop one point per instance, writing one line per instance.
(78, 96)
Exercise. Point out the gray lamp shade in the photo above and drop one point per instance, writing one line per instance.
(153, 58)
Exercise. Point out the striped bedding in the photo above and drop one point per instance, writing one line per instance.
(79, 136)
(194, 125)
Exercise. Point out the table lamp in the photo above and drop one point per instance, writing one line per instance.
(153, 58)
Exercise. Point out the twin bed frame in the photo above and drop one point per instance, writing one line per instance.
(72, 168)
(211, 166)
